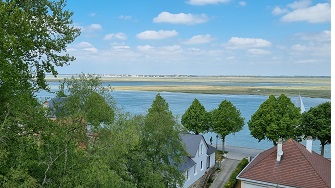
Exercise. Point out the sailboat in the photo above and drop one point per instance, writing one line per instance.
(302, 106)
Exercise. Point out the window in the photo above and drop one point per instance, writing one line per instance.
(195, 169)
(201, 149)
(201, 165)
(187, 175)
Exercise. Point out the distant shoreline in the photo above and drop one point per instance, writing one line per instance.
(309, 86)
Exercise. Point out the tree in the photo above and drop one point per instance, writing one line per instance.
(317, 123)
(86, 96)
(86, 107)
(195, 118)
(275, 118)
(33, 39)
(225, 120)
(34, 35)
(162, 144)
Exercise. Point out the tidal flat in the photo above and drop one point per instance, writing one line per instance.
(316, 87)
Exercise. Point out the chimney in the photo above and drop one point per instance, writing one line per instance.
(279, 149)
(309, 143)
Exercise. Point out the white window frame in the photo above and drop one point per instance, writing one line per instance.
(187, 175)
(195, 169)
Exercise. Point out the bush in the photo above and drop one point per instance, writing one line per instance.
(232, 180)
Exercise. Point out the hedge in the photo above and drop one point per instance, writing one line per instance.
(232, 180)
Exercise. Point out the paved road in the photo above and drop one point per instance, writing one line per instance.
(234, 156)
(239, 153)
(228, 166)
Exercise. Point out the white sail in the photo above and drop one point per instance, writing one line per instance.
(302, 106)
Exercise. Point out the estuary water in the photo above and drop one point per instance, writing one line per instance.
(138, 102)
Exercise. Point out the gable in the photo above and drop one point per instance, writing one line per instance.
(192, 143)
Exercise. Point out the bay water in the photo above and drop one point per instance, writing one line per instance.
(138, 102)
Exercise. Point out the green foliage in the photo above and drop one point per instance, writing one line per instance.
(33, 38)
(226, 119)
(86, 101)
(163, 145)
(275, 118)
(195, 118)
(232, 180)
(317, 123)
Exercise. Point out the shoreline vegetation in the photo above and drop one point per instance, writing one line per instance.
(315, 87)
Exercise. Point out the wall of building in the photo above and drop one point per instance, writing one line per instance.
(196, 172)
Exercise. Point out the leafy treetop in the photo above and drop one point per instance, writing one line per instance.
(275, 118)
(195, 118)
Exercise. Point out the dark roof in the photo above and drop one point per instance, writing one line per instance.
(187, 164)
(210, 149)
(297, 168)
(192, 142)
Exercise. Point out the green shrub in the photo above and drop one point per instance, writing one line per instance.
(232, 180)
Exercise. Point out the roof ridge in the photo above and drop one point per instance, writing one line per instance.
(299, 145)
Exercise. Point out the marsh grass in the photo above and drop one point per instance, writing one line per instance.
(318, 87)
(306, 91)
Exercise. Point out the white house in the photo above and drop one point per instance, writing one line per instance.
(201, 157)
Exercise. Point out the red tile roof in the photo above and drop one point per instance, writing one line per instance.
(297, 168)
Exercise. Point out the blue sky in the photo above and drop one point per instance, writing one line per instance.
(201, 37)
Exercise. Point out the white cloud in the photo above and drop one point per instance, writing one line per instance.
(91, 49)
(300, 4)
(120, 36)
(181, 18)
(237, 42)
(121, 47)
(154, 35)
(324, 36)
(173, 48)
(144, 48)
(314, 14)
(93, 14)
(122, 17)
(306, 61)
(162, 53)
(93, 27)
(71, 49)
(84, 45)
(278, 10)
(258, 51)
(199, 39)
(242, 3)
(206, 2)
(299, 47)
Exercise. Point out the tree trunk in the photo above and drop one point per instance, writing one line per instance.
(223, 141)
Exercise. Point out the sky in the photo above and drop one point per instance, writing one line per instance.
(201, 37)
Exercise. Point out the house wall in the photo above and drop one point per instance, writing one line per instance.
(212, 160)
(245, 184)
(201, 155)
